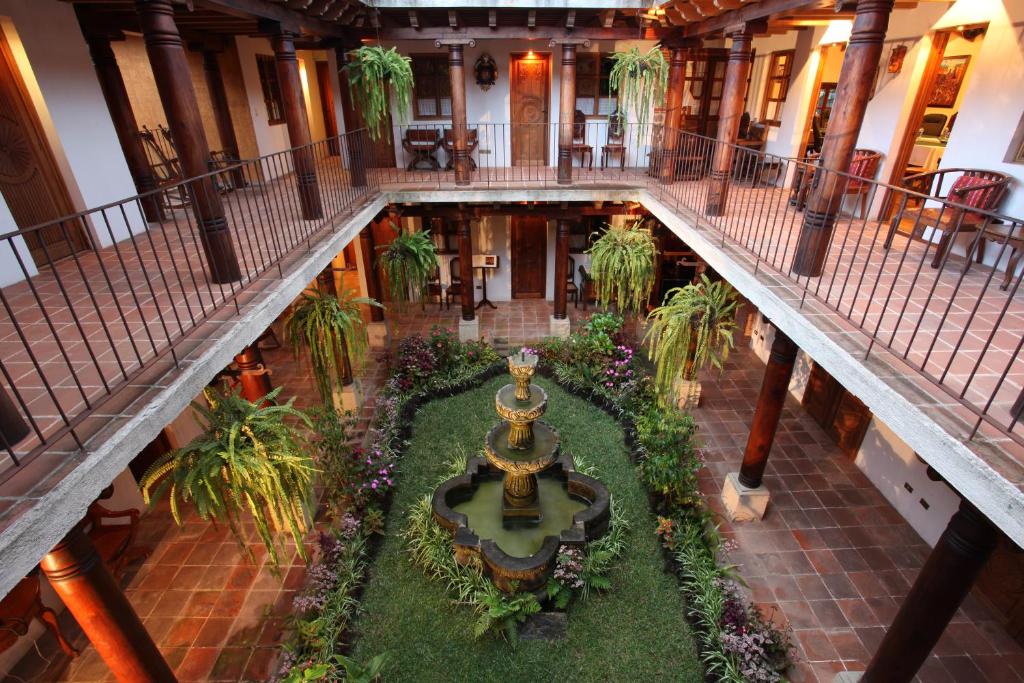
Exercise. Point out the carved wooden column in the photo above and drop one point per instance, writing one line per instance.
(294, 105)
(221, 111)
(729, 113)
(121, 115)
(566, 110)
(466, 268)
(460, 129)
(254, 377)
(174, 84)
(370, 272)
(673, 114)
(562, 269)
(853, 91)
(944, 582)
(744, 497)
(13, 427)
(91, 594)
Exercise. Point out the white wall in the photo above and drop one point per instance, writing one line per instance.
(269, 138)
(763, 47)
(786, 139)
(11, 270)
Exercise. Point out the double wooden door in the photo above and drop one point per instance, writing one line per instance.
(529, 257)
(530, 83)
(840, 413)
(30, 180)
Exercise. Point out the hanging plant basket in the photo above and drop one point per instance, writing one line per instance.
(622, 266)
(409, 262)
(372, 72)
(640, 80)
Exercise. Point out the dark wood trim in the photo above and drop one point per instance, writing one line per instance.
(466, 268)
(289, 19)
(562, 268)
(520, 33)
(370, 272)
(758, 10)
(770, 403)
(326, 87)
(221, 111)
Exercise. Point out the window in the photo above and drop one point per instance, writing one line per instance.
(593, 95)
(432, 87)
(267, 67)
(776, 86)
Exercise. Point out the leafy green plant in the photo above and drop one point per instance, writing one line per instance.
(640, 79)
(670, 459)
(374, 71)
(250, 457)
(622, 266)
(330, 327)
(408, 262)
(692, 329)
(333, 454)
(504, 613)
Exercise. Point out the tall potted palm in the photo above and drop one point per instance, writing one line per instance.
(622, 266)
(691, 330)
(252, 458)
(408, 262)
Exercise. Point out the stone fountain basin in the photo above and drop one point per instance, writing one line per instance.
(528, 573)
(537, 457)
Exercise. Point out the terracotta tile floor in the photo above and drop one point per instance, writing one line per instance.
(832, 557)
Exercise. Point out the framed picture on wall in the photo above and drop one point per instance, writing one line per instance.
(948, 80)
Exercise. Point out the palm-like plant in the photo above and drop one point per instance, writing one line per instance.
(408, 262)
(692, 329)
(370, 74)
(331, 328)
(622, 266)
(251, 457)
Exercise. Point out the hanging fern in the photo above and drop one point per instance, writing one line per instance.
(692, 329)
(622, 266)
(329, 326)
(370, 74)
(639, 80)
(409, 262)
(252, 457)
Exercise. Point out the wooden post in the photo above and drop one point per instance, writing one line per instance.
(729, 114)
(466, 268)
(254, 376)
(853, 92)
(294, 104)
(562, 269)
(222, 112)
(178, 96)
(673, 114)
(91, 594)
(370, 271)
(770, 402)
(566, 111)
(940, 587)
(121, 115)
(460, 130)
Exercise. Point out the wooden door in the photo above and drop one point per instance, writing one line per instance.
(323, 79)
(841, 414)
(30, 181)
(530, 78)
(529, 257)
(382, 150)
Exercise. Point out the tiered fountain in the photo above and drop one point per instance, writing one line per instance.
(514, 509)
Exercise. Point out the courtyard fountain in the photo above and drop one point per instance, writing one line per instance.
(515, 507)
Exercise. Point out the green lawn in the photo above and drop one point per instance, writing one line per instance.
(636, 632)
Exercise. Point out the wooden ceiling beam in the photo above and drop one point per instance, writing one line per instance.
(607, 18)
(570, 20)
(688, 11)
(524, 33)
(453, 19)
(289, 19)
(531, 19)
(748, 12)
(414, 21)
(492, 19)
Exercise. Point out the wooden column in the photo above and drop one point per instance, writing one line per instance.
(91, 594)
(294, 104)
(770, 403)
(178, 96)
(466, 268)
(673, 114)
(13, 427)
(729, 114)
(221, 111)
(460, 129)
(372, 281)
(121, 115)
(562, 269)
(254, 377)
(944, 582)
(566, 105)
(853, 92)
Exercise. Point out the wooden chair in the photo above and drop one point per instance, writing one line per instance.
(579, 139)
(932, 124)
(434, 288)
(863, 168)
(455, 288)
(113, 541)
(1000, 233)
(615, 146)
(23, 604)
(422, 144)
(448, 143)
(974, 188)
(571, 290)
(586, 287)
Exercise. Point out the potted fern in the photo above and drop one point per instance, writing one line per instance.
(622, 266)
(640, 80)
(691, 330)
(409, 262)
(251, 458)
(331, 328)
(372, 72)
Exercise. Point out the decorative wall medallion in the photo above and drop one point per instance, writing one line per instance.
(15, 153)
(486, 71)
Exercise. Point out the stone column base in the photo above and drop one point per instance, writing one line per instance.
(469, 330)
(560, 327)
(687, 393)
(742, 503)
(350, 397)
(379, 334)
